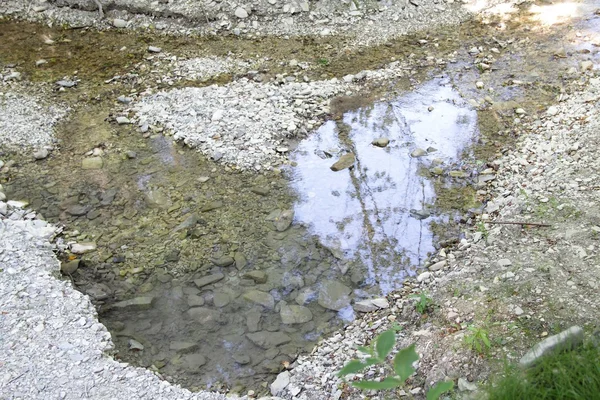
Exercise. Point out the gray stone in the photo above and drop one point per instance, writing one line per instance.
(437, 266)
(305, 296)
(123, 120)
(77, 210)
(240, 261)
(241, 13)
(119, 23)
(154, 49)
(282, 381)
(135, 304)
(418, 153)
(82, 248)
(268, 340)
(252, 320)
(183, 347)
(209, 279)
(284, 220)
(205, 316)
(221, 299)
(194, 361)
(260, 190)
(381, 142)
(195, 300)
(257, 276)
(369, 305)
(3, 208)
(334, 295)
(135, 345)
(345, 161)
(69, 267)
(567, 339)
(66, 83)
(295, 314)
(223, 261)
(241, 358)
(504, 262)
(466, 386)
(41, 154)
(423, 276)
(262, 298)
(92, 163)
(131, 154)
(189, 222)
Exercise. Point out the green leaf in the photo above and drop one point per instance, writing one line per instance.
(387, 383)
(364, 349)
(351, 368)
(441, 387)
(403, 362)
(485, 339)
(385, 343)
(372, 361)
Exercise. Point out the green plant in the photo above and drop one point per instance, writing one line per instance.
(573, 375)
(323, 62)
(478, 339)
(424, 302)
(484, 231)
(377, 353)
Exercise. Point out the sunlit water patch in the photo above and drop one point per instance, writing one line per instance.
(377, 213)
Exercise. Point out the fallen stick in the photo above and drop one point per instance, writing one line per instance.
(515, 223)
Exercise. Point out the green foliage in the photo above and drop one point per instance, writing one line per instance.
(424, 302)
(378, 351)
(570, 375)
(478, 339)
(323, 62)
(484, 231)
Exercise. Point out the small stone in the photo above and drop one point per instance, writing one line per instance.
(241, 13)
(520, 111)
(154, 49)
(240, 261)
(119, 23)
(504, 262)
(552, 110)
(284, 220)
(465, 385)
(345, 161)
(135, 345)
(221, 299)
(92, 163)
(131, 154)
(209, 279)
(224, 261)
(258, 277)
(518, 311)
(66, 83)
(380, 142)
(293, 314)
(123, 120)
(567, 339)
(268, 340)
(262, 298)
(3, 207)
(194, 361)
(282, 381)
(437, 266)
(183, 347)
(135, 304)
(423, 276)
(334, 295)
(479, 85)
(82, 248)
(41, 154)
(418, 153)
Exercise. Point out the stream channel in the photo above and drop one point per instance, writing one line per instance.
(218, 278)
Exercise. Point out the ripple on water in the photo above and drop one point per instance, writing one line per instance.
(364, 213)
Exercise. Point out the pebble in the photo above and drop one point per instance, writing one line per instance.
(119, 23)
(123, 120)
(241, 13)
(154, 49)
(41, 154)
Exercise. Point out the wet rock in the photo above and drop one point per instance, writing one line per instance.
(381, 142)
(108, 197)
(223, 261)
(193, 362)
(205, 316)
(135, 304)
(282, 381)
(345, 161)
(418, 153)
(41, 154)
(172, 256)
(284, 220)
(213, 205)
(240, 261)
(77, 210)
(69, 267)
(252, 320)
(420, 214)
(183, 347)
(241, 358)
(119, 23)
(221, 299)
(92, 163)
(209, 279)
(257, 276)
(567, 339)
(334, 295)
(82, 248)
(195, 300)
(268, 340)
(263, 191)
(135, 345)
(262, 298)
(295, 314)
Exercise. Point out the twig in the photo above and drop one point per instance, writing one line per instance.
(516, 223)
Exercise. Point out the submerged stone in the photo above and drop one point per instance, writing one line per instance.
(267, 340)
(207, 280)
(334, 295)
(284, 220)
(183, 347)
(135, 304)
(262, 298)
(92, 163)
(345, 161)
(295, 314)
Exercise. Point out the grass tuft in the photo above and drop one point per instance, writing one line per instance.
(569, 375)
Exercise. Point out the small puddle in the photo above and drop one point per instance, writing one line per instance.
(376, 216)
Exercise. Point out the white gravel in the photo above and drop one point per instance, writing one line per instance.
(52, 345)
(27, 122)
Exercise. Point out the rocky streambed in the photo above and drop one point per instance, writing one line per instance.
(217, 270)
